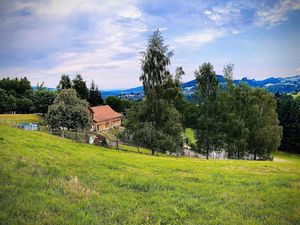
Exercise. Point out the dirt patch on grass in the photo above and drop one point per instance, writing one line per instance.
(280, 160)
(74, 186)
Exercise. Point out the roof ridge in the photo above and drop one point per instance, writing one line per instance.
(104, 112)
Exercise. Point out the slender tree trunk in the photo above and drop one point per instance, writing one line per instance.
(228, 150)
(255, 155)
(207, 150)
(153, 152)
(63, 133)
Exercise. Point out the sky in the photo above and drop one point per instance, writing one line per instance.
(102, 39)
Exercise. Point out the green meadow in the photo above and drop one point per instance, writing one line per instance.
(45, 179)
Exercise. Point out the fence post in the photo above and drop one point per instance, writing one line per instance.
(87, 138)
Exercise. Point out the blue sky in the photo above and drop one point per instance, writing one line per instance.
(102, 39)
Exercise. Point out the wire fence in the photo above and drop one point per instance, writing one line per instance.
(111, 139)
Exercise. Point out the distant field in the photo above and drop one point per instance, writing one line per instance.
(189, 133)
(296, 95)
(135, 149)
(18, 118)
(45, 179)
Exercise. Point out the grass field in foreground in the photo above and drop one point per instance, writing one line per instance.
(45, 179)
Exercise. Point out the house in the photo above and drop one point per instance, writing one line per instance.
(104, 118)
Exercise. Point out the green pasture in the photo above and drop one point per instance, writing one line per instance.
(45, 179)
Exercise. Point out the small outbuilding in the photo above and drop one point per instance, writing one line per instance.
(100, 140)
(104, 118)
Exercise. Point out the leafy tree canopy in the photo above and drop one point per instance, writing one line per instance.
(94, 95)
(65, 82)
(68, 111)
(80, 86)
(155, 122)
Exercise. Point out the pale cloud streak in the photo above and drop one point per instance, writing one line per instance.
(199, 38)
(223, 15)
(277, 14)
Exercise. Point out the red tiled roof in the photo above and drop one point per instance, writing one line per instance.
(104, 112)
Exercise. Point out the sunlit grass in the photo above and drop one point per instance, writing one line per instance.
(45, 179)
(137, 149)
(189, 133)
(13, 119)
(296, 95)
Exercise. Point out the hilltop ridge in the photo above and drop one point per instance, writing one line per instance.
(273, 84)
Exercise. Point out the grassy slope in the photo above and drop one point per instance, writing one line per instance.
(48, 180)
(296, 95)
(135, 149)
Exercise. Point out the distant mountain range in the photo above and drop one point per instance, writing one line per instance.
(274, 85)
(116, 92)
(35, 88)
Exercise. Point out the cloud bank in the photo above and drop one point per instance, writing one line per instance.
(102, 39)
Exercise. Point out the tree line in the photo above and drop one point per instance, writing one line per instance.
(236, 119)
(91, 95)
(288, 109)
(18, 96)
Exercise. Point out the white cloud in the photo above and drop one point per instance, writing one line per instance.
(200, 38)
(235, 32)
(277, 14)
(58, 8)
(163, 28)
(131, 12)
(108, 51)
(223, 15)
(53, 7)
(101, 39)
